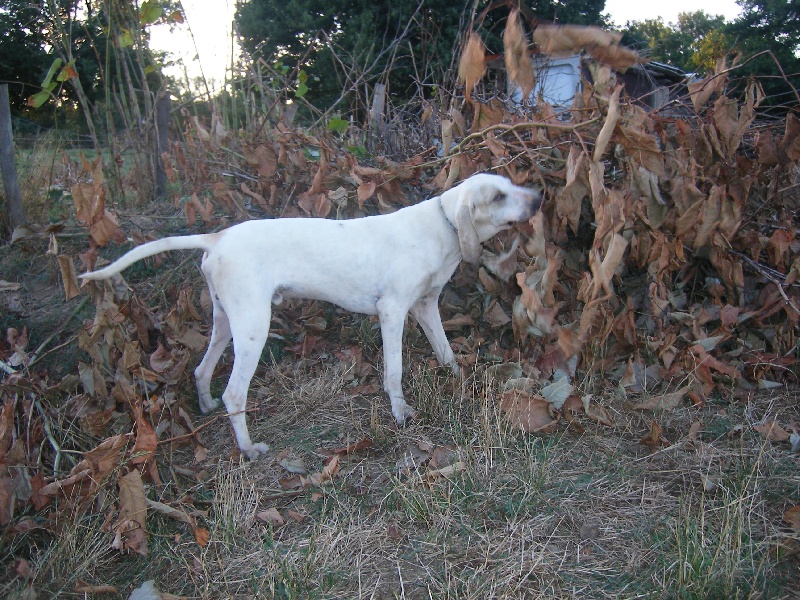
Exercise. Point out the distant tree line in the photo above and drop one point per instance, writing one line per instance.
(768, 30)
(328, 46)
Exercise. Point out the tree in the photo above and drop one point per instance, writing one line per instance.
(327, 37)
(23, 58)
(772, 25)
(693, 43)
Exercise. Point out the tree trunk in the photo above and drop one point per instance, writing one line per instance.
(14, 210)
(162, 143)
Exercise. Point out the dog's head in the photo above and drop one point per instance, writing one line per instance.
(485, 205)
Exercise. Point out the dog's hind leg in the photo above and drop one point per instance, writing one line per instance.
(249, 324)
(220, 337)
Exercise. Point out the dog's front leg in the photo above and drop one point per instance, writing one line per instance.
(392, 318)
(426, 312)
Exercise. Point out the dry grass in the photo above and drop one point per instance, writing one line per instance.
(595, 515)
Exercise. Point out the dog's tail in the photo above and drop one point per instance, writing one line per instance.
(185, 242)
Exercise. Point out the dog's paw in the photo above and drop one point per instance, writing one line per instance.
(403, 414)
(208, 404)
(255, 451)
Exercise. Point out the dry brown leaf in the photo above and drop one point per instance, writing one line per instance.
(559, 39)
(82, 587)
(653, 438)
(365, 191)
(772, 431)
(146, 440)
(362, 444)
(570, 199)
(527, 412)
(603, 270)
(472, 67)
(618, 58)
(264, 158)
(612, 117)
(192, 339)
(791, 138)
(7, 500)
(60, 485)
(260, 200)
(271, 516)
(294, 465)
(446, 472)
(518, 62)
(106, 456)
(700, 91)
(130, 529)
(665, 402)
(68, 276)
(457, 322)
(393, 531)
(107, 229)
(7, 425)
(503, 265)
(200, 534)
(642, 147)
(495, 146)
(599, 413)
(161, 359)
(733, 119)
(496, 316)
(792, 517)
(694, 432)
(445, 455)
(329, 471)
(297, 517)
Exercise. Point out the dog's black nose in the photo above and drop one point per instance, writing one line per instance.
(535, 199)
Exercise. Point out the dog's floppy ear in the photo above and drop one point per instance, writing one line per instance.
(467, 234)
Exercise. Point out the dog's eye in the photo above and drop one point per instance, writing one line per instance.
(499, 197)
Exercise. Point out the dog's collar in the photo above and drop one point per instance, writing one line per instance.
(446, 218)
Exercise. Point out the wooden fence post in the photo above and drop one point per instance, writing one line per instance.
(162, 143)
(16, 214)
(377, 114)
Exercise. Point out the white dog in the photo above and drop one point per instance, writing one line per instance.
(383, 265)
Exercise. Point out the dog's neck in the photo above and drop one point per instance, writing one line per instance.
(444, 214)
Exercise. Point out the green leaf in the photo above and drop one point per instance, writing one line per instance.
(67, 72)
(150, 12)
(38, 99)
(125, 39)
(301, 90)
(302, 76)
(359, 151)
(149, 69)
(338, 125)
(52, 71)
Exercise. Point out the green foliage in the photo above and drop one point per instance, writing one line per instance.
(698, 39)
(338, 125)
(686, 44)
(23, 58)
(772, 25)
